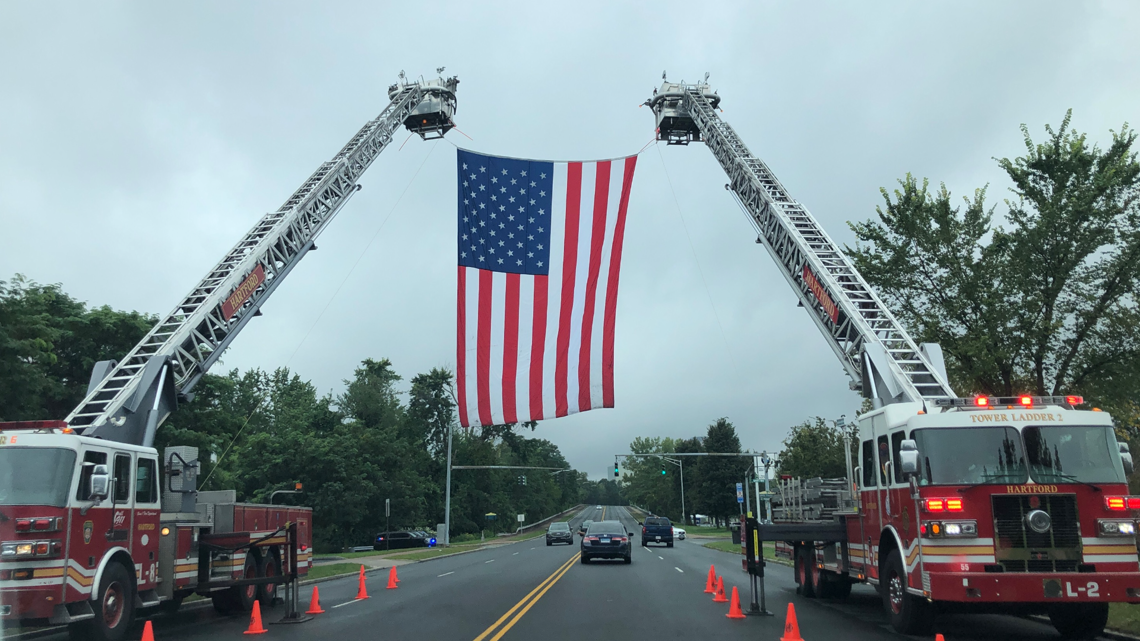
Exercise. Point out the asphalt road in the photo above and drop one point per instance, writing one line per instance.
(530, 591)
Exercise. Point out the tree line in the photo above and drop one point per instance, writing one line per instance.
(259, 431)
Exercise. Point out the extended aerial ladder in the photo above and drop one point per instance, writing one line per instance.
(883, 361)
(126, 401)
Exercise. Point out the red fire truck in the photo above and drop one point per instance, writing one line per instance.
(94, 524)
(1009, 505)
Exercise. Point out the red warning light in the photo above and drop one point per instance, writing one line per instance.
(1074, 400)
(1027, 401)
(982, 401)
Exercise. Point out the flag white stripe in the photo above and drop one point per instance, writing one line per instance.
(582, 270)
(472, 342)
(526, 332)
(498, 308)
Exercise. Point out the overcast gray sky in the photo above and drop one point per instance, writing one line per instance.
(139, 141)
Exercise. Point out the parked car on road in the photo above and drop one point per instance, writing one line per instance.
(678, 533)
(559, 533)
(656, 529)
(399, 539)
(607, 540)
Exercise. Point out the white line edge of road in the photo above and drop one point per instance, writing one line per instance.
(340, 605)
(678, 569)
(660, 557)
(445, 574)
(491, 561)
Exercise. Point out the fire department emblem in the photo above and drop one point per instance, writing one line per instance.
(905, 520)
(88, 528)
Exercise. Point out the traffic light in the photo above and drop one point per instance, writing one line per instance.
(524, 479)
(616, 473)
(662, 469)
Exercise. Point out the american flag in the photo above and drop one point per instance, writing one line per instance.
(539, 254)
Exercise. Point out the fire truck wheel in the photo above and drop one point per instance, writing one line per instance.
(268, 593)
(244, 596)
(114, 608)
(803, 571)
(908, 613)
(1079, 620)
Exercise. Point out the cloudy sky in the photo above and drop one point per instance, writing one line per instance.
(139, 141)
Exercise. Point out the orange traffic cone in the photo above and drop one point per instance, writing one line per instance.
(393, 571)
(734, 609)
(937, 637)
(315, 603)
(719, 597)
(710, 583)
(361, 592)
(255, 626)
(392, 578)
(791, 627)
(148, 632)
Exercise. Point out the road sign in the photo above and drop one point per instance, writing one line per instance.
(387, 507)
(522, 518)
(739, 492)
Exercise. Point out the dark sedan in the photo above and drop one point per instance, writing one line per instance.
(559, 533)
(583, 527)
(397, 540)
(607, 540)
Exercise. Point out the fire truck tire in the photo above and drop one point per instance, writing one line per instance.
(908, 614)
(114, 609)
(267, 594)
(1079, 620)
(804, 571)
(244, 596)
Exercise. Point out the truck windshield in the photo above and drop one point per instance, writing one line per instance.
(970, 455)
(1073, 453)
(35, 475)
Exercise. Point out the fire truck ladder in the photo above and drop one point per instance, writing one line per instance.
(877, 353)
(127, 400)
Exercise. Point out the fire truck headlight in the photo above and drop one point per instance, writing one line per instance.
(24, 548)
(953, 529)
(165, 531)
(1117, 528)
(8, 549)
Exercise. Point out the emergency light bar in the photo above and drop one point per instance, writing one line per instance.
(1000, 401)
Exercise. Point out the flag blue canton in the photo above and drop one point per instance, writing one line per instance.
(504, 213)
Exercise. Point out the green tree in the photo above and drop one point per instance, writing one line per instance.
(716, 489)
(1046, 306)
(814, 448)
(48, 344)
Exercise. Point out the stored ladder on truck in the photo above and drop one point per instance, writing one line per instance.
(882, 360)
(127, 401)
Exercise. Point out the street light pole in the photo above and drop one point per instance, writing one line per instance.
(447, 499)
(680, 464)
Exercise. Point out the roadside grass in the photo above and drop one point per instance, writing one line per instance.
(732, 548)
(332, 569)
(1124, 617)
(697, 530)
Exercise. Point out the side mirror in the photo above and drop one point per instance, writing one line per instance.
(1126, 459)
(100, 482)
(908, 458)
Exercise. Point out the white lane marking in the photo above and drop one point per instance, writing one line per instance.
(491, 561)
(678, 569)
(446, 573)
(660, 557)
(516, 553)
(340, 605)
(532, 548)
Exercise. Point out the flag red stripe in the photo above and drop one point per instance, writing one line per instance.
(510, 348)
(597, 236)
(538, 346)
(461, 349)
(483, 354)
(612, 288)
(569, 265)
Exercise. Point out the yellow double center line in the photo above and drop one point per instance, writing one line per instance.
(526, 602)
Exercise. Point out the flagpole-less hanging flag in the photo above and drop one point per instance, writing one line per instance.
(539, 257)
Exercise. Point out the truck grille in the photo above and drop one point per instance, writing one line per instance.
(1020, 549)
